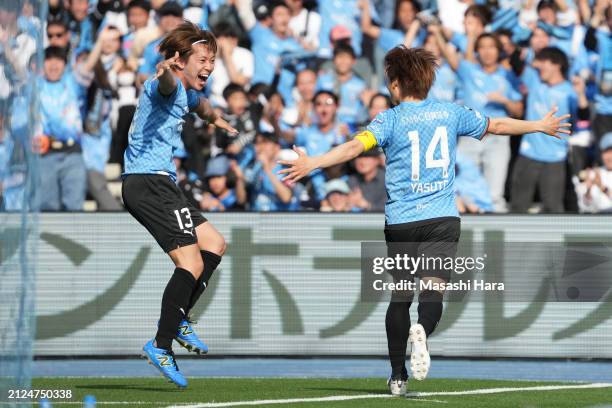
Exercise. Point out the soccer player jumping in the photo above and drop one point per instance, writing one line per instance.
(419, 139)
(150, 193)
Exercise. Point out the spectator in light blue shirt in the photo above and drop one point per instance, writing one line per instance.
(541, 163)
(406, 28)
(62, 170)
(343, 82)
(446, 84)
(270, 44)
(486, 88)
(475, 20)
(267, 192)
(336, 13)
(599, 40)
(471, 189)
(321, 136)
(170, 15)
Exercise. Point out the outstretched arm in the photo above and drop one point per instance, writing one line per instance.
(206, 112)
(304, 165)
(550, 124)
(167, 83)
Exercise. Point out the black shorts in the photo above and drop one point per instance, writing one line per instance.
(430, 239)
(162, 208)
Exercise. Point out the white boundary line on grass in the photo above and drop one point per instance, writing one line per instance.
(411, 395)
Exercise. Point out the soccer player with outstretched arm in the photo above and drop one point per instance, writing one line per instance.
(419, 139)
(150, 193)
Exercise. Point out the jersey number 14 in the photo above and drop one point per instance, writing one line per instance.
(440, 138)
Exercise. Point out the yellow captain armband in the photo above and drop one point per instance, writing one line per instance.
(367, 138)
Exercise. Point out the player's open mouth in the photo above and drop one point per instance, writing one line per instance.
(203, 77)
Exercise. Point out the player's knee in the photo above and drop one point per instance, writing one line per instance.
(218, 245)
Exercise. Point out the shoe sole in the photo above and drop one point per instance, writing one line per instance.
(146, 357)
(191, 348)
(419, 357)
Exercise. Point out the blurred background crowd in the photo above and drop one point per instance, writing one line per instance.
(308, 73)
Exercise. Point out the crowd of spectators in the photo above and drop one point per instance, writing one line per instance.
(308, 73)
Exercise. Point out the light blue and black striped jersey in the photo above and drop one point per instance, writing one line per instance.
(155, 132)
(419, 140)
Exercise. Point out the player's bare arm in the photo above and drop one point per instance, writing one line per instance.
(550, 124)
(303, 165)
(167, 83)
(207, 113)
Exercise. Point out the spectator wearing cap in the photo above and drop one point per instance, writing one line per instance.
(325, 133)
(541, 163)
(487, 88)
(594, 189)
(62, 170)
(406, 28)
(242, 118)
(220, 197)
(344, 14)
(267, 192)
(343, 82)
(338, 197)
(235, 64)
(305, 24)
(270, 44)
(170, 15)
(368, 183)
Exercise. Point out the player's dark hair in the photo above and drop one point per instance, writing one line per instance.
(556, 56)
(328, 93)
(413, 68)
(183, 37)
(142, 4)
(498, 44)
(380, 95)
(344, 48)
(231, 89)
(415, 5)
(56, 52)
(479, 11)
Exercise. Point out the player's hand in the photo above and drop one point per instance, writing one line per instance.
(298, 168)
(553, 125)
(168, 65)
(222, 124)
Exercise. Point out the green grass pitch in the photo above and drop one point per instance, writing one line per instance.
(370, 392)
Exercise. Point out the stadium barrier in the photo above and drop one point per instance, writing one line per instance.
(290, 285)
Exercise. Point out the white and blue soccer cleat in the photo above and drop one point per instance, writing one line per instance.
(419, 358)
(397, 386)
(164, 361)
(187, 338)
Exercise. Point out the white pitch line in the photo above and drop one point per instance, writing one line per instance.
(373, 396)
